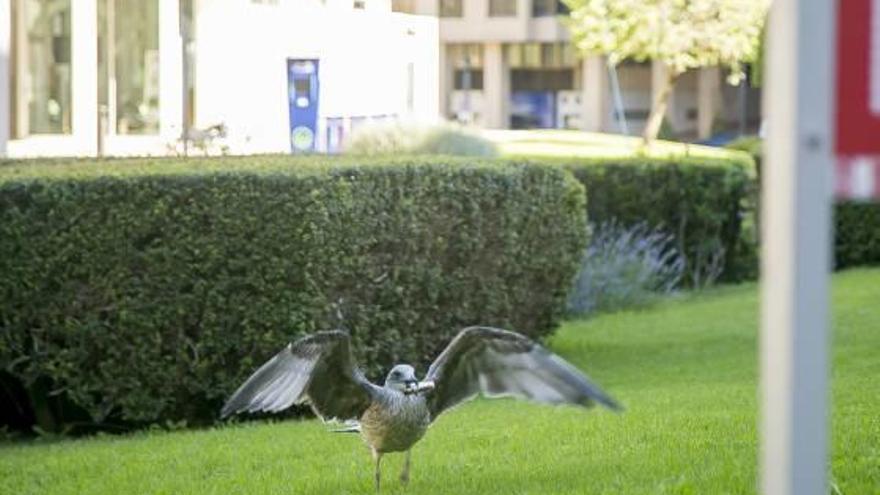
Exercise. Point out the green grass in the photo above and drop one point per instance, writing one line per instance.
(566, 143)
(685, 369)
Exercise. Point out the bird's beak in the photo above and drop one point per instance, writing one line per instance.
(412, 386)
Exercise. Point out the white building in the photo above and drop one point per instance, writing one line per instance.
(92, 77)
(510, 63)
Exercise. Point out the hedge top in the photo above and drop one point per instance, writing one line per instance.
(265, 165)
(733, 159)
(85, 169)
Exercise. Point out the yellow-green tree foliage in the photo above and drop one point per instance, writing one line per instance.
(682, 34)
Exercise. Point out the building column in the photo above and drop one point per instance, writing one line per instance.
(708, 88)
(5, 55)
(445, 85)
(84, 69)
(171, 71)
(594, 94)
(496, 86)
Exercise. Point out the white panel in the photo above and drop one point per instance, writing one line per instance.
(84, 69)
(5, 43)
(170, 70)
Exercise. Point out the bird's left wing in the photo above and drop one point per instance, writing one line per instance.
(497, 363)
(317, 369)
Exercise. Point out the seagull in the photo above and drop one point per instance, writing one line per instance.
(319, 370)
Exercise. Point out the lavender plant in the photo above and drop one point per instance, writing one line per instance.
(625, 266)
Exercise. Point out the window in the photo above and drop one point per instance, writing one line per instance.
(450, 8)
(467, 63)
(41, 69)
(468, 79)
(542, 79)
(545, 8)
(129, 65)
(360, 4)
(405, 6)
(465, 55)
(540, 55)
(502, 8)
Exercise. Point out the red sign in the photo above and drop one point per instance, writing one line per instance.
(858, 100)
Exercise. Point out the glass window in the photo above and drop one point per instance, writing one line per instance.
(542, 79)
(466, 55)
(502, 8)
(405, 6)
(540, 55)
(467, 79)
(129, 64)
(532, 55)
(544, 8)
(450, 8)
(41, 71)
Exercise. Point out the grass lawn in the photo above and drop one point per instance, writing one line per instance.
(685, 369)
(567, 143)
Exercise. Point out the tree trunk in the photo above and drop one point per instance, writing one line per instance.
(658, 107)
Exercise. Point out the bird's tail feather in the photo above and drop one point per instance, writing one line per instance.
(351, 428)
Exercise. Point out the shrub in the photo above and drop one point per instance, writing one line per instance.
(625, 267)
(856, 225)
(398, 138)
(147, 291)
(704, 203)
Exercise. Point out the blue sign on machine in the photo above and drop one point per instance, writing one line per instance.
(302, 92)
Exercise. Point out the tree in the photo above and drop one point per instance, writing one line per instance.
(682, 34)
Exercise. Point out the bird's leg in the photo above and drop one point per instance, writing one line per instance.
(377, 456)
(404, 475)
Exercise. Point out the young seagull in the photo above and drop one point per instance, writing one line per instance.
(319, 370)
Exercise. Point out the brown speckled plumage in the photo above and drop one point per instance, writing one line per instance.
(395, 421)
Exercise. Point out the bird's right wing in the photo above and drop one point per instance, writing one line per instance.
(498, 363)
(318, 369)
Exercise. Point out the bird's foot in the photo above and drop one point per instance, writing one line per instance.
(404, 479)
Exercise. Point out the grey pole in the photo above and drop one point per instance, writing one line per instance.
(796, 251)
(618, 99)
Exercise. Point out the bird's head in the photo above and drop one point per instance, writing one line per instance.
(402, 378)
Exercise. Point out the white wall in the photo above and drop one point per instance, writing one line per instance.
(242, 49)
(5, 44)
(241, 66)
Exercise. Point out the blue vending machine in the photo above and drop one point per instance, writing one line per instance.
(302, 93)
(533, 110)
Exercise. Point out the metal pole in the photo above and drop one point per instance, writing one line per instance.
(618, 99)
(796, 252)
(185, 20)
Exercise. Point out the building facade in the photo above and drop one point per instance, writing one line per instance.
(510, 64)
(127, 77)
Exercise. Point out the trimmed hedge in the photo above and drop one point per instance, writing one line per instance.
(705, 203)
(147, 290)
(856, 225)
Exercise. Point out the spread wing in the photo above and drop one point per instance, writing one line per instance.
(318, 369)
(499, 363)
